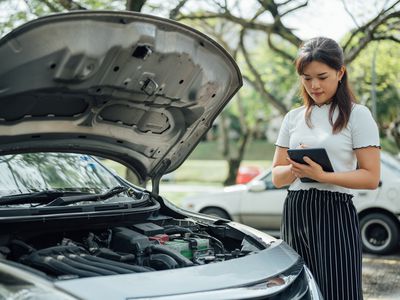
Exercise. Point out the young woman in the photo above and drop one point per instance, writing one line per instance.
(319, 219)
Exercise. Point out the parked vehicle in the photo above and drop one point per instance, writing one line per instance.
(247, 173)
(142, 91)
(259, 204)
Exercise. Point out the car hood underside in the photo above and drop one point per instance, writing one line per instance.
(135, 88)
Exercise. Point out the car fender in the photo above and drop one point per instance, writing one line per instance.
(387, 197)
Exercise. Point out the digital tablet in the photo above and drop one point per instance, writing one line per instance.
(318, 155)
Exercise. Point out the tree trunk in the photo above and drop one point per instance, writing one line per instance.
(135, 5)
(233, 167)
(234, 162)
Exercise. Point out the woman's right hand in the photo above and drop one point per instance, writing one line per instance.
(302, 146)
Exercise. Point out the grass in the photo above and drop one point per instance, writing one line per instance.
(206, 164)
(211, 150)
(210, 172)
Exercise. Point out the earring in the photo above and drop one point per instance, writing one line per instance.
(340, 81)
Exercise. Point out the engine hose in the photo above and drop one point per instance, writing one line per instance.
(118, 264)
(27, 248)
(84, 266)
(57, 250)
(176, 230)
(160, 261)
(182, 260)
(106, 266)
(58, 267)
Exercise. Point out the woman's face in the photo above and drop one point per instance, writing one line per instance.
(321, 81)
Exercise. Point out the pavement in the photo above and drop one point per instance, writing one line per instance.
(381, 277)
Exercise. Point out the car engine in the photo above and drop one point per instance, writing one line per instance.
(141, 247)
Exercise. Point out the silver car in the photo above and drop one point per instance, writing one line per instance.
(260, 205)
(79, 87)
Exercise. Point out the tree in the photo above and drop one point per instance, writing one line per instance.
(255, 34)
(379, 61)
(265, 21)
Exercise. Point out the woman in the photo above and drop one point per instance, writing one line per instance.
(319, 219)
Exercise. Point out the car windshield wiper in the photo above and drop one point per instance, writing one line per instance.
(60, 201)
(37, 197)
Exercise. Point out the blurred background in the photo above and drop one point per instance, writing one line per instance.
(263, 37)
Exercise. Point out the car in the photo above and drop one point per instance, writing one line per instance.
(246, 173)
(79, 89)
(260, 204)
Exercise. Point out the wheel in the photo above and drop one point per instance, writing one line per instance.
(216, 212)
(379, 233)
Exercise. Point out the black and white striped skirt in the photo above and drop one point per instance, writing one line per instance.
(323, 227)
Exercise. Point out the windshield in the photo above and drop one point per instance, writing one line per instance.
(34, 172)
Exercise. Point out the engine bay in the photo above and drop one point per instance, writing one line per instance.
(140, 247)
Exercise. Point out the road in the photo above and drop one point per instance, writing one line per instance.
(381, 277)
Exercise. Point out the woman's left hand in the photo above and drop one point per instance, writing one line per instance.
(311, 170)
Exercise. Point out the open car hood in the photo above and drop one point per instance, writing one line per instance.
(135, 88)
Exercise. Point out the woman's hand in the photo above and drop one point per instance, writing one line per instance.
(311, 170)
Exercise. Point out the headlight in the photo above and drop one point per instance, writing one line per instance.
(17, 284)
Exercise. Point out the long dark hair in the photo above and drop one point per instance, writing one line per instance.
(326, 51)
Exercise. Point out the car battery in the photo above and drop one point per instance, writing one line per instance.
(191, 247)
(160, 238)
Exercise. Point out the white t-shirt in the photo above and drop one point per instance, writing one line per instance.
(361, 131)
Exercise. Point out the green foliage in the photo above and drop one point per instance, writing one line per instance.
(103, 4)
(387, 79)
(389, 146)
(276, 72)
(15, 15)
(12, 21)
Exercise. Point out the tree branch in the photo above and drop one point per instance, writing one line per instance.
(135, 5)
(70, 5)
(349, 13)
(277, 27)
(389, 37)
(276, 49)
(50, 5)
(283, 3)
(258, 83)
(375, 22)
(175, 12)
(244, 23)
(369, 32)
(258, 13)
(295, 8)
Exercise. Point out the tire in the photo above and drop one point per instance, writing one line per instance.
(216, 212)
(379, 233)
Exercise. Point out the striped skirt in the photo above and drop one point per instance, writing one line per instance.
(322, 226)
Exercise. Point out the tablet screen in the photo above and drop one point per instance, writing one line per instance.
(319, 155)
